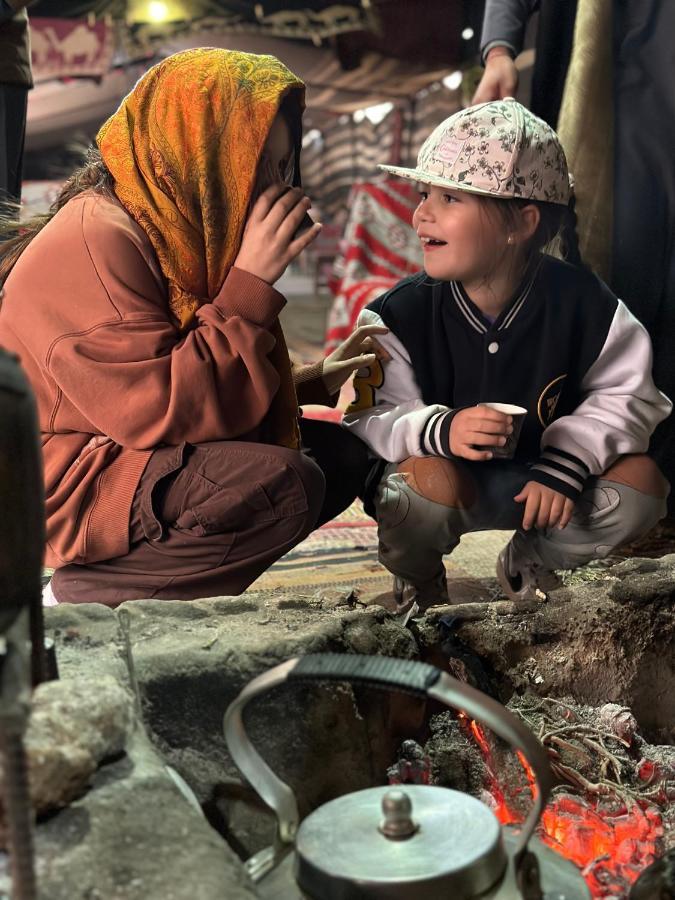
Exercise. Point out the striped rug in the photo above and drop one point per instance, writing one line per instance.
(340, 555)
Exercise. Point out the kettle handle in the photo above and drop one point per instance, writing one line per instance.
(384, 672)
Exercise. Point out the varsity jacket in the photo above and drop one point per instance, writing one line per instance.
(565, 348)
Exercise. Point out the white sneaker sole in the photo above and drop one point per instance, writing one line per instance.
(48, 598)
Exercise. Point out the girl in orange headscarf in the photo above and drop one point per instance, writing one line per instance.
(144, 313)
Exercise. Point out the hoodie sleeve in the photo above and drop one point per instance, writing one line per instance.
(119, 359)
(620, 410)
(388, 412)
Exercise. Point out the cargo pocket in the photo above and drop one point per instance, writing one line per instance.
(224, 496)
(219, 510)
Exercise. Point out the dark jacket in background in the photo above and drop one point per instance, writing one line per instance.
(15, 81)
(506, 21)
(15, 50)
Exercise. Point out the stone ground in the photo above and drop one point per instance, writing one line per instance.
(132, 835)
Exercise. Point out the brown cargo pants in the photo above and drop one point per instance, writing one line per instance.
(208, 519)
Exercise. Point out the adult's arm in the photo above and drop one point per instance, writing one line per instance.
(310, 386)
(118, 357)
(504, 24)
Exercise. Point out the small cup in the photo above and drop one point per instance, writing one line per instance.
(518, 414)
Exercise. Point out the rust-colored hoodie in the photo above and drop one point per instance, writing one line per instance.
(127, 345)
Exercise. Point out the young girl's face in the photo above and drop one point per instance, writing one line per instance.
(459, 240)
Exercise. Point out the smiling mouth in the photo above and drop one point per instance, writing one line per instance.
(428, 243)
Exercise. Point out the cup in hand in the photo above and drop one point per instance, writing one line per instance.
(518, 414)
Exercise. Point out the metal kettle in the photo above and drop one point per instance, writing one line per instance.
(413, 842)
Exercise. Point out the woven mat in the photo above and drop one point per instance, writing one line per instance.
(342, 555)
(339, 555)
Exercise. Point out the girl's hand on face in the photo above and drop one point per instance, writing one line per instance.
(359, 350)
(544, 507)
(268, 244)
(476, 427)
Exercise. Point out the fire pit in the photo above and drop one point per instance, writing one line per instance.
(613, 810)
(605, 639)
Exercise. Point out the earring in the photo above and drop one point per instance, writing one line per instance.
(509, 240)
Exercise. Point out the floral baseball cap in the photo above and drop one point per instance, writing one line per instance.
(498, 149)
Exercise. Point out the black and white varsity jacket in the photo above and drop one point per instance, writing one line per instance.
(566, 349)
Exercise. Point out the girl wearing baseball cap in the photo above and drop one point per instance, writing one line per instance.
(494, 323)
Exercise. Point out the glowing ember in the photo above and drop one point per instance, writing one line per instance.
(610, 844)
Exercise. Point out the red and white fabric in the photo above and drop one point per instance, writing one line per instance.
(379, 248)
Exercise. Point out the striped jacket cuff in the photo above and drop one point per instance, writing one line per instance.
(435, 440)
(561, 471)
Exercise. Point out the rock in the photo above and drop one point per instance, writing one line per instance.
(609, 639)
(134, 836)
(618, 720)
(192, 659)
(73, 726)
(125, 829)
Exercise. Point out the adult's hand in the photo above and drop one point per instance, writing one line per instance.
(544, 507)
(268, 244)
(359, 350)
(500, 78)
(476, 427)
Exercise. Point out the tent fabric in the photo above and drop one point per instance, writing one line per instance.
(310, 19)
(379, 248)
(58, 111)
(348, 152)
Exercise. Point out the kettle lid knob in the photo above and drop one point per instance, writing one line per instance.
(397, 823)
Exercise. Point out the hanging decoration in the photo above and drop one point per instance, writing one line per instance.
(70, 48)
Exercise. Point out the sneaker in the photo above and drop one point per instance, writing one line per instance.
(48, 598)
(414, 600)
(520, 577)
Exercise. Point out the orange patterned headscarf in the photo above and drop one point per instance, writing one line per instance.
(183, 149)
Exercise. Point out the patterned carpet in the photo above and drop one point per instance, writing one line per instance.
(340, 555)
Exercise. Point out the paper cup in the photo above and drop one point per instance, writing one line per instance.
(518, 414)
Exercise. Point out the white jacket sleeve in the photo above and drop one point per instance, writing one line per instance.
(620, 409)
(388, 412)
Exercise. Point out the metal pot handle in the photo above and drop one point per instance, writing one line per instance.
(377, 671)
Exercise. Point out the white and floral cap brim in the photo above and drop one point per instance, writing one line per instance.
(497, 149)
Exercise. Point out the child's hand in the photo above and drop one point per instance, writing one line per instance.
(476, 427)
(268, 245)
(544, 507)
